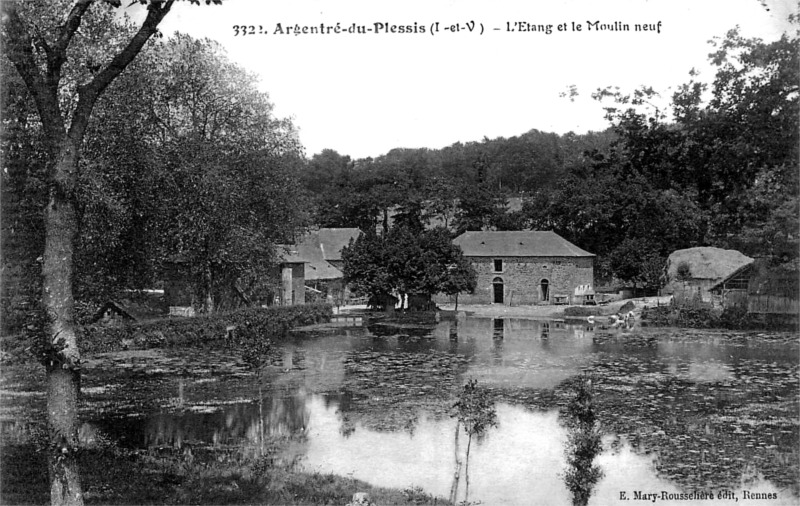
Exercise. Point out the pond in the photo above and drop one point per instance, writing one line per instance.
(680, 411)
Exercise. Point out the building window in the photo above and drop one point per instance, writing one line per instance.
(498, 265)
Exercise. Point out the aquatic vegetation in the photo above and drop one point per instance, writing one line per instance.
(583, 445)
(704, 408)
(387, 391)
(475, 411)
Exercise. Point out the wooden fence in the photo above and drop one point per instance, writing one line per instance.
(772, 304)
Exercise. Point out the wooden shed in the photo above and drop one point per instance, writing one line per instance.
(113, 313)
(760, 289)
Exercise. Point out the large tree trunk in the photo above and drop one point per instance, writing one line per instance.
(62, 402)
(63, 361)
(63, 365)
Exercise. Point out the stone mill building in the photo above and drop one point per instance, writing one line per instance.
(526, 267)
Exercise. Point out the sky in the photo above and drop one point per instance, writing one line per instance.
(365, 94)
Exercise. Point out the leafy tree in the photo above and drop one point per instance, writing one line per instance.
(442, 200)
(66, 70)
(750, 122)
(625, 221)
(365, 261)
(584, 443)
(368, 189)
(229, 164)
(480, 205)
(475, 411)
(411, 215)
(24, 194)
(461, 279)
(114, 249)
(772, 219)
(323, 170)
(722, 173)
(343, 205)
(639, 262)
(405, 261)
(731, 153)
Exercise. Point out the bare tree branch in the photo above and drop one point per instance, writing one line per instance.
(19, 49)
(57, 54)
(88, 94)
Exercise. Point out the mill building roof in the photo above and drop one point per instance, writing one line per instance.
(518, 243)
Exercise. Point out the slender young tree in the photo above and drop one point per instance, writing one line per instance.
(40, 45)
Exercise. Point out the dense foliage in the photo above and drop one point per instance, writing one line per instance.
(183, 160)
(208, 141)
(66, 55)
(250, 325)
(723, 172)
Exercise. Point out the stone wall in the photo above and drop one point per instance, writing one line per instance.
(293, 284)
(522, 277)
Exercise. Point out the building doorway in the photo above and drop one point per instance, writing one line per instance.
(497, 284)
(545, 290)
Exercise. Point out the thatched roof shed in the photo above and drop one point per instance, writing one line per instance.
(706, 263)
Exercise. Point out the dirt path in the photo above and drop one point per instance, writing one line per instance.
(495, 310)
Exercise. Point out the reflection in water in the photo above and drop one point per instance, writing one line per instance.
(583, 444)
(247, 425)
(675, 406)
(516, 463)
(499, 328)
(457, 473)
(519, 463)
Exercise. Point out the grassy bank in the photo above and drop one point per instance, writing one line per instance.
(706, 318)
(112, 475)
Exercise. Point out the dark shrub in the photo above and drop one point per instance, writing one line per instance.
(242, 325)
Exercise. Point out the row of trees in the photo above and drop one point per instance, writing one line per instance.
(460, 186)
(719, 168)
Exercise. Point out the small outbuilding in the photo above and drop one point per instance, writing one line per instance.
(314, 264)
(692, 272)
(113, 313)
(759, 289)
